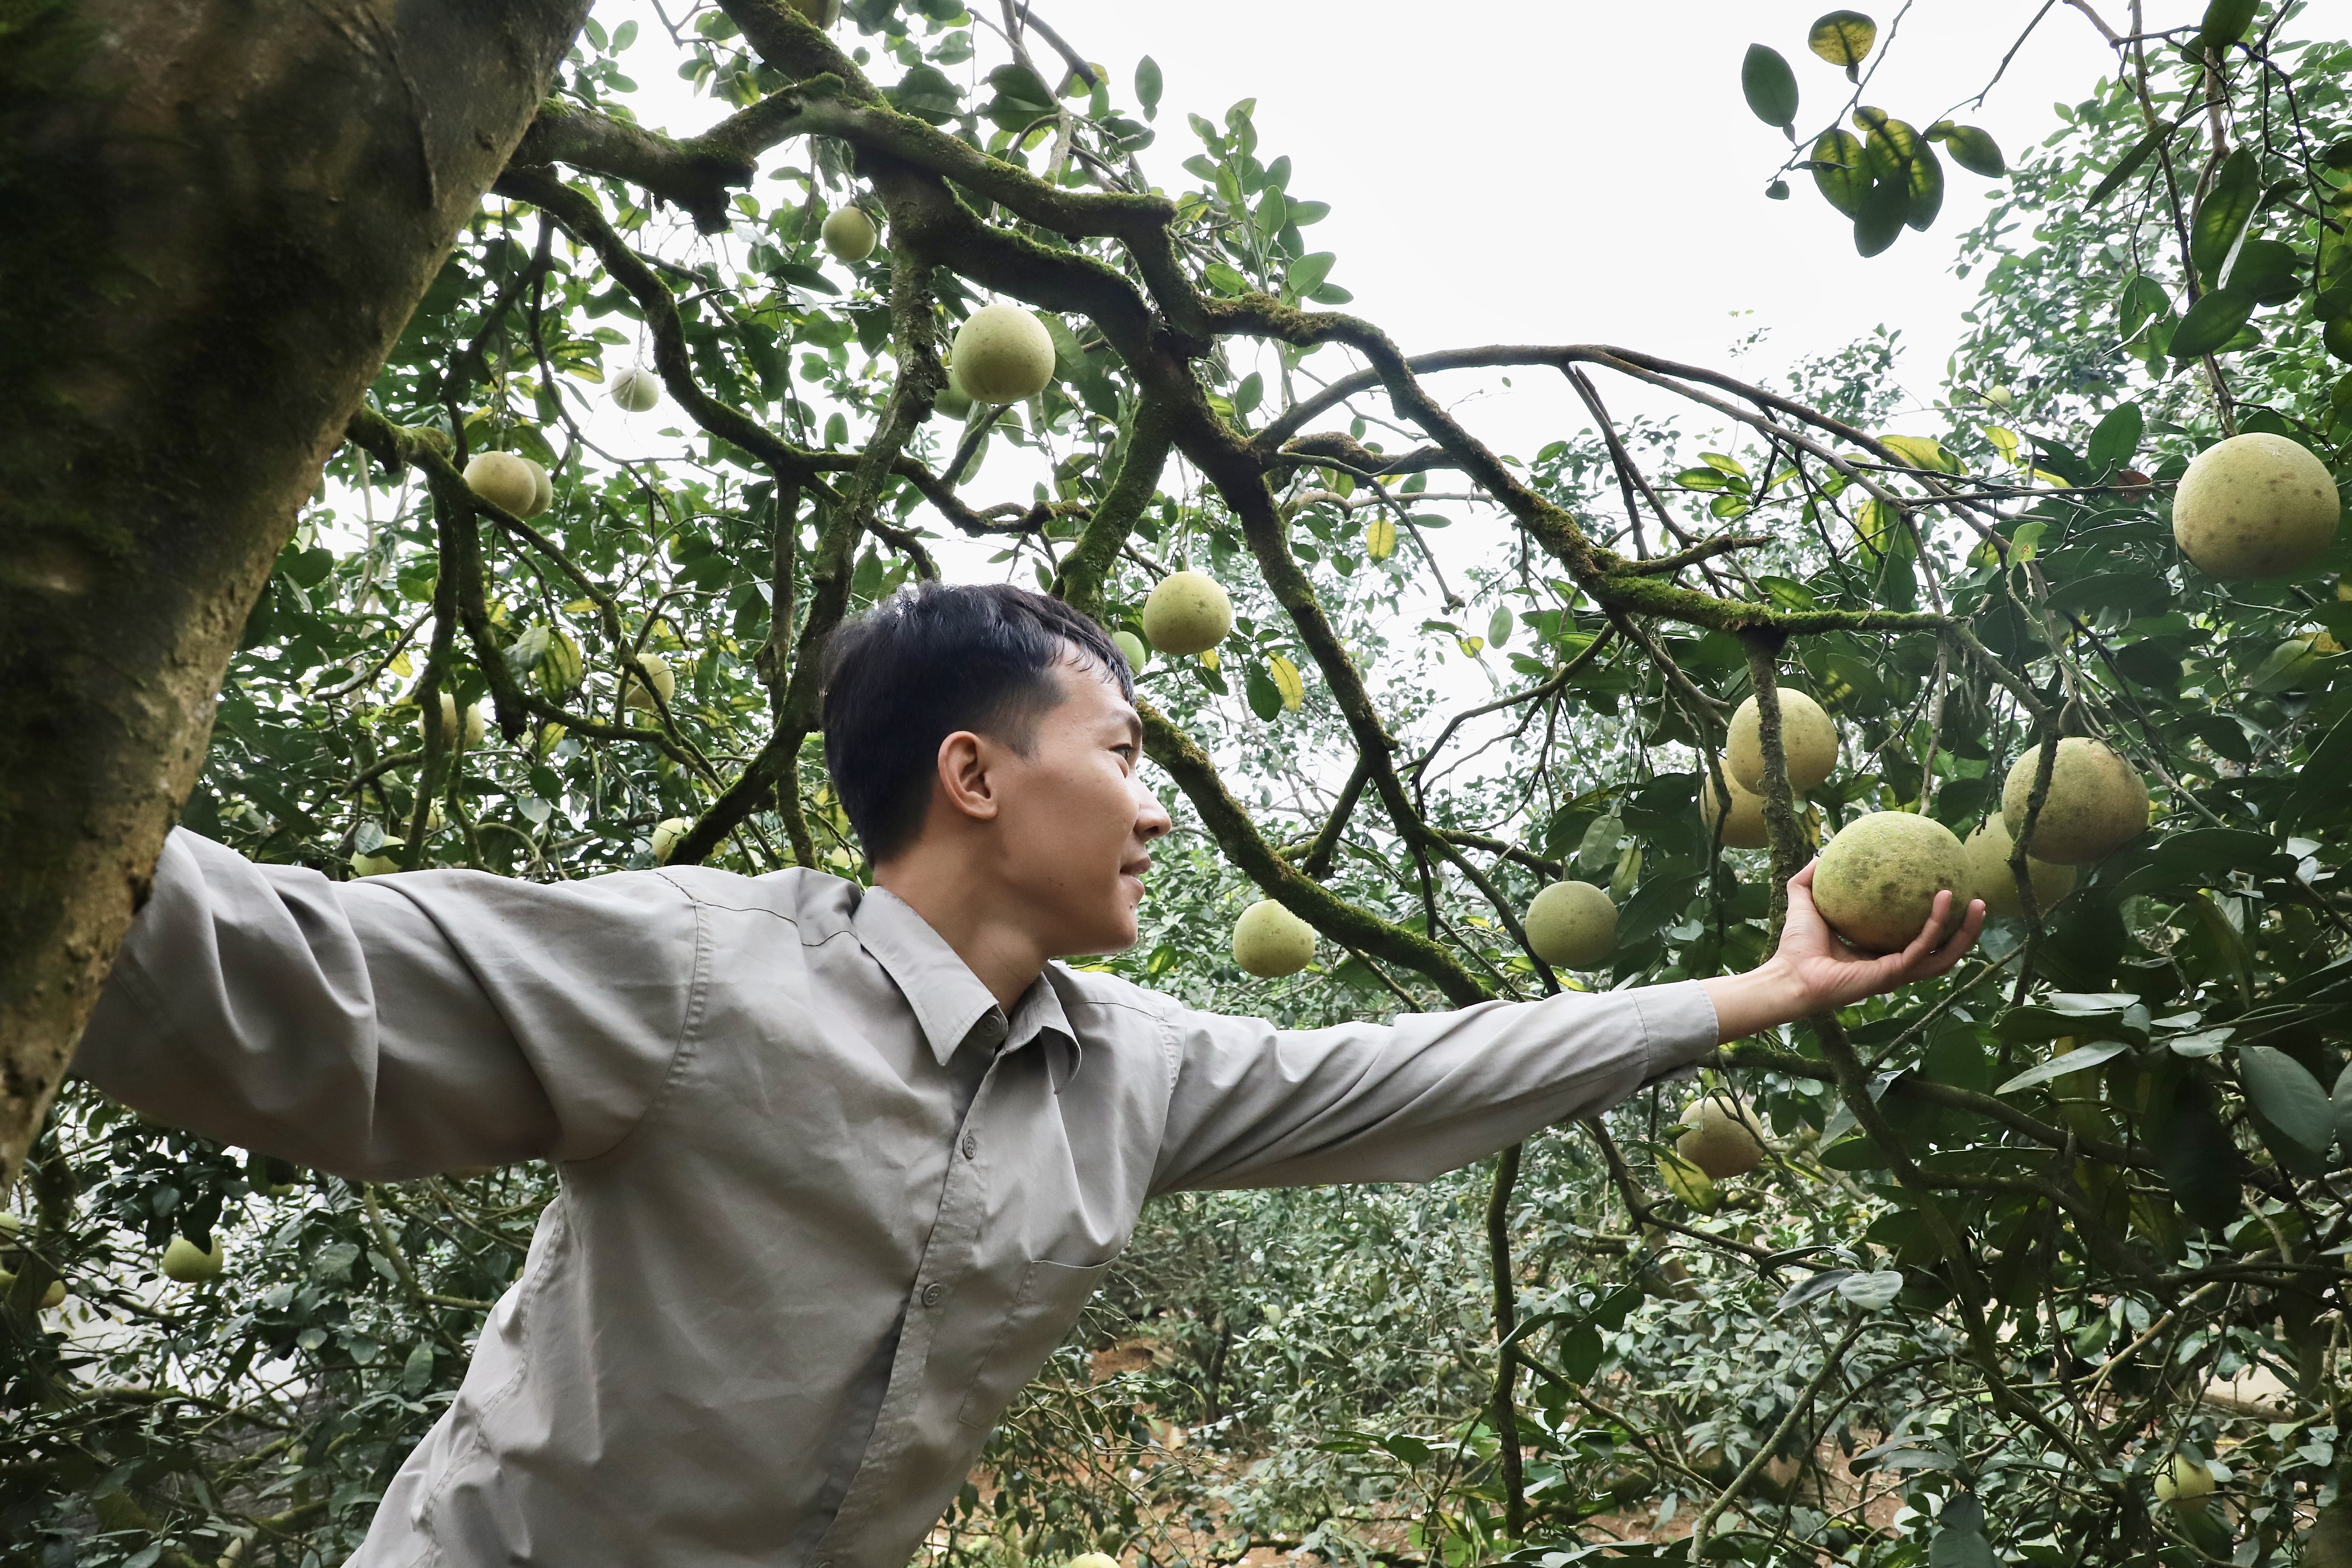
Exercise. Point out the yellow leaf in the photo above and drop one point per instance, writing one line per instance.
(1379, 539)
(1210, 658)
(1470, 645)
(1921, 452)
(400, 665)
(1687, 1182)
(1844, 39)
(2003, 441)
(1874, 523)
(1286, 682)
(2053, 480)
(580, 606)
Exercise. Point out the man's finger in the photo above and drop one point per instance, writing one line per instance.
(1924, 942)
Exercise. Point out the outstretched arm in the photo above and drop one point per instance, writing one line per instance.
(1813, 971)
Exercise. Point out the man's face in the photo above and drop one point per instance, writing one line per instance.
(1076, 819)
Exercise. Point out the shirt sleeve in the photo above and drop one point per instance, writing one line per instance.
(1254, 1106)
(394, 1026)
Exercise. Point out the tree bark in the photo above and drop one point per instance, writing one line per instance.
(214, 220)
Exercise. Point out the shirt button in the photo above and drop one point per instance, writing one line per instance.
(934, 1293)
(971, 1145)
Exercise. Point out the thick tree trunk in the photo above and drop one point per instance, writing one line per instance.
(214, 219)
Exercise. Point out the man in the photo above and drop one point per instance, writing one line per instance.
(840, 1165)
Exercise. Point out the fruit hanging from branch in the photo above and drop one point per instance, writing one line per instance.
(2097, 803)
(1572, 925)
(1808, 737)
(1269, 942)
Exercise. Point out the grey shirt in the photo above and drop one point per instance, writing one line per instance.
(823, 1209)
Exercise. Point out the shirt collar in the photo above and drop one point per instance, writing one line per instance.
(950, 1003)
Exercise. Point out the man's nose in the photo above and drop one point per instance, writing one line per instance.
(1151, 819)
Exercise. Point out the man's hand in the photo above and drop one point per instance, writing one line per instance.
(1813, 971)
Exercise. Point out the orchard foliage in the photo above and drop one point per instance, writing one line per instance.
(2021, 1242)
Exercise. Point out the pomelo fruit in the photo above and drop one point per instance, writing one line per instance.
(507, 481)
(637, 389)
(1746, 828)
(456, 735)
(1002, 354)
(373, 864)
(1572, 925)
(1878, 880)
(188, 1263)
(1807, 735)
(2097, 803)
(2254, 506)
(849, 233)
(2185, 1477)
(667, 832)
(1988, 848)
(1720, 1141)
(952, 401)
(1269, 942)
(654, 670)
(1131, 649)
(53, 1296)
(1188, 612)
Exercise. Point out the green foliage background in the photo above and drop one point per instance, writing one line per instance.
(1967, 1308)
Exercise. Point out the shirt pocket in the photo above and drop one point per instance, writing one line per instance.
(1050, 1299)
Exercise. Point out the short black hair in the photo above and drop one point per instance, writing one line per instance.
(927, 662)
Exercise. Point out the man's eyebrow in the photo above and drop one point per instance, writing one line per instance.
(1135, 726)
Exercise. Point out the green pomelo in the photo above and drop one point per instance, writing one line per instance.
(542, 489)
(504, 481)
(667, 832)
(1188, 612)
(1808, 737)
(1720, 1141)
(1878, 880)
(637, 389)
(2185, 1478)
(373, 864)
(1269, 942)
(1004, 354)
(850, 235)
(1572, 925)
(2097, 803)
(1996, 884)
(188, 1263)
(655, 672)
(52, 1295)
(457, 735)
(1746, 828)
(2254, 506)
(1131, 649)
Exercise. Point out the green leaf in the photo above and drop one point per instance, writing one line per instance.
(1500, 625)
(2341, 1106)
(1844, 39)
(2116, 438)
(1962, 1549)
(2142, 150)
(2225, 24)
(2222, 214)
(2266, 269)
(1879, 222)
(1147, 86)
(2059, 1067)
(1770, 88)
(2295, 1117)
(2210, 322)
(1838, 173)
(1975, 149)
(2196, 1158)
(1265, 698)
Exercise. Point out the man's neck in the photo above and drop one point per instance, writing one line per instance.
(959, 904)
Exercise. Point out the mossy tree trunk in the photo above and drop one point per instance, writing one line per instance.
(214, 220)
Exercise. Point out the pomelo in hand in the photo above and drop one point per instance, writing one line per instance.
(1188, 612)
(1002, 354)
(1996, 884)
(850, 235)
(2097, 803)
(2254, 506)
(1808, 737)
(1269, 942)
(1721, 1140)
(184, 1260)
(1746, 828)
(1878, 880)
(637, 389)
(1572, 925)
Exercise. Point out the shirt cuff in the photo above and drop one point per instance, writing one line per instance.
(1678, 1026)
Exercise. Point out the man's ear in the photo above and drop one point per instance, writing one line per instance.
(964, 763)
